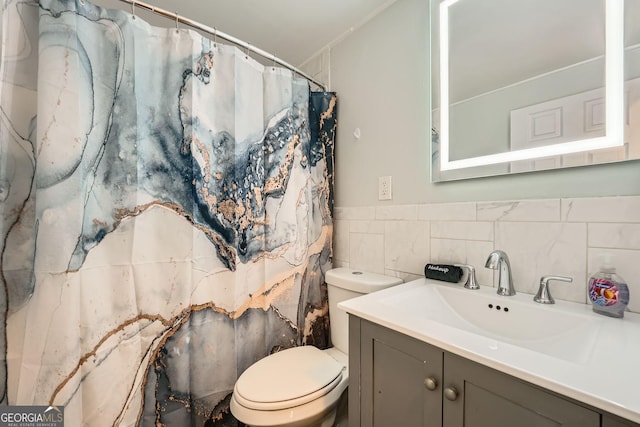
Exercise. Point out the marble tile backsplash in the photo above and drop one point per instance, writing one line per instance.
(566, 237)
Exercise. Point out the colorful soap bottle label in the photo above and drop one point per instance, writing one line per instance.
(603, 292)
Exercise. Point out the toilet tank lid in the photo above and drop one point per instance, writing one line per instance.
(359, 281)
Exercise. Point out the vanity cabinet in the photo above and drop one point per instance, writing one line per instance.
(613, 421)
(396, 380)
(394, 375)
(485, 397)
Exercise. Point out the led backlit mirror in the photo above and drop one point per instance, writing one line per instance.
(533, 84)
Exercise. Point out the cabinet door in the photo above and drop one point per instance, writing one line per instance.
(485, 397)
(613, 421)
(400, 380)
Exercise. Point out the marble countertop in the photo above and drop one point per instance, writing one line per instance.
(607, 376)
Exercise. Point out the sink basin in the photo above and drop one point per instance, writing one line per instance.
(562, 330)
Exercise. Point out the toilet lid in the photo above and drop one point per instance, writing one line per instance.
(299, 374)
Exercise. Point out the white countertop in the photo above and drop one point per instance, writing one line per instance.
(608, 377)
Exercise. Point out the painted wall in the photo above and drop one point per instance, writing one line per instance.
(381, 74)
(552, 222)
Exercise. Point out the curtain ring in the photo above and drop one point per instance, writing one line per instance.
(133, 8)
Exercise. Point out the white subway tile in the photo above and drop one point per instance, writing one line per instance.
(536, 249)
(463, 230)
(355, 213)
(371, 227)
(397, 212)
(541, 237)
(406, 277)
(602, 209)
(445, 251)
(366, 252)
(406, 246)
(621, 236)
(393, 273)
(341, 240)
(523, 210)
(338, 264)
(474, 253)
(465, 211)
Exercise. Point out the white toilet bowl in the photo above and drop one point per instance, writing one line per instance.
(301, 386)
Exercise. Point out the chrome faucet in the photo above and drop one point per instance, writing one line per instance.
(471, 282)
(544, 296)
(498, 260)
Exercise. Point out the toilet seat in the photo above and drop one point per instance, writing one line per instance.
(287, 379)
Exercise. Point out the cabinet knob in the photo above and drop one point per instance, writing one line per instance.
(451, 393)
(431, 383)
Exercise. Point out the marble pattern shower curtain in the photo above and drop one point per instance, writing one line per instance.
(165, 216)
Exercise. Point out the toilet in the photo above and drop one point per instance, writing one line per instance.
(301, 386)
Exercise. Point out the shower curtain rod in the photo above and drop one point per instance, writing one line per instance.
(216, 33)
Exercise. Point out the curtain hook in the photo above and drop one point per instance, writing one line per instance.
(133, 8)
(215, 37)
(246, 55)
(177, 19)
(273, 66)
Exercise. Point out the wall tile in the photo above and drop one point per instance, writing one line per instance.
(536, 249)
(463, 230)
(524, 210)
(341, 240)
(627, 266)
(338, 264)
(406, 277)
(356, 213)
(446, 251)
(621, 236)
(541, 237)
(366, 252)
(464, 252)
(370, 227)
(602, 209)
(447, 212)
(397, 212)
(406, 246)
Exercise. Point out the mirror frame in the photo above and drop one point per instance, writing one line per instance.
(614, 98)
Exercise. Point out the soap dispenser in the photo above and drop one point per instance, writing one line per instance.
(608, 292)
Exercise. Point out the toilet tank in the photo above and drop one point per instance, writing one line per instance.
(344, 284)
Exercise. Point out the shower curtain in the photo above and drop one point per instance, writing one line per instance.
(165, 216)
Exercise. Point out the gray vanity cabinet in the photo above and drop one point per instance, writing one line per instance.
(613, 421)
(485, 397)
(396, 380)
(394, 372)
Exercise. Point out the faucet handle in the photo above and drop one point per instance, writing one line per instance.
(544, 295)
(471, 282)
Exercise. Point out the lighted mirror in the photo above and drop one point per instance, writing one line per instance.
(528, 85)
